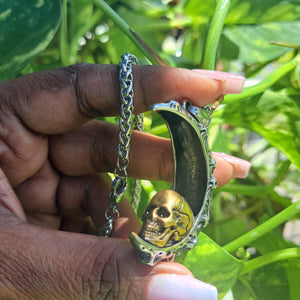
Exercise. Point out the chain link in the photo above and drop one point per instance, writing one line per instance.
(125, 126)
(137, 187)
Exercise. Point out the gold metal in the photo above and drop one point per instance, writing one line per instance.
(167, 219)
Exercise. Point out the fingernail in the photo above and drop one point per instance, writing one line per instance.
(178, 287)
(241, 166)
(233, 84)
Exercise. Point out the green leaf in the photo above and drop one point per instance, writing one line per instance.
(226, 231)
(82, 18)
(211, 263)
(25, 30)
(81, 11)
(276, 281)
(217, 139)
(257, 11)
(272, 115)
(253, 41)
(223, 228)
(242, 290)
(198, 8)
(193, 45)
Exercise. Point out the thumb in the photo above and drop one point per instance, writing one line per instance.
(41, 263)
(50, 264)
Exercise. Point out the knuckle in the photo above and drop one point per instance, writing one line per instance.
(102, 150)
(98, 158)
(76, 75)
(100, 281)
(104, 277)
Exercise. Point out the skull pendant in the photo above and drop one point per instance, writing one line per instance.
(174, 218)
(167, 219)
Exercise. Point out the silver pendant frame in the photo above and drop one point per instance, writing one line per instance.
(193, 174)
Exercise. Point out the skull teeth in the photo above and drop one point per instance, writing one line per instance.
(151, 232)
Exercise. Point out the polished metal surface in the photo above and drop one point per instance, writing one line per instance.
(193, 178)
(119, 183)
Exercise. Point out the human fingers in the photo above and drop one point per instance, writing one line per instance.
(228, 167)
(93, 148)
(69, 205)
(75, 203)
(50, 264)
(88, 196)
(38, 193)
(8, 199)
(62, 265)
(126, 223)
(58, 100)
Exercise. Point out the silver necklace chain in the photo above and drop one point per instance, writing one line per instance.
(137, 187)
(119, 183)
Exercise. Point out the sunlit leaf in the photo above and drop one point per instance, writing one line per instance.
(257, 11)
(272, 115)
(242, 290)
(25, 30)
(211, 263)
(253, 41)
(226, 231)
(80, 13)
(192, 47)
(200, 8)
(276, 281)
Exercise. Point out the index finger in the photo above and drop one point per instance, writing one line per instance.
(56, 101)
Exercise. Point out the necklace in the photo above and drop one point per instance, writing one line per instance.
(173, 218)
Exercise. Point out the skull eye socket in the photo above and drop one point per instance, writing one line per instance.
(149, 210)
(147, 213)
(163, 213)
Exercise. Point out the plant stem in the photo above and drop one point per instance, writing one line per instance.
(214, 33)
(248, 190)
(108, 11)
(81, 32)
(252, 190)
(267, 82)
(284, 201)
(270, 258)
(280, 173)
(164, 25)
(262, 229)
(63, 35)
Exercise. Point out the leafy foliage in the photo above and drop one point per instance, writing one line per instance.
(273, 115)
(211, 254)
(258, 38)
(261, 124)
(24, 32)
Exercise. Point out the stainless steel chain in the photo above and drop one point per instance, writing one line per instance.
(119, 183)
(137, 187)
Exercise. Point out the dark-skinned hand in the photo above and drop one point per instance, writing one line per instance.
(53, 189)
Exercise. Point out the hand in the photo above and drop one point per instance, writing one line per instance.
(54, 158)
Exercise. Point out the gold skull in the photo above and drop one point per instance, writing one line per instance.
(167, 219)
